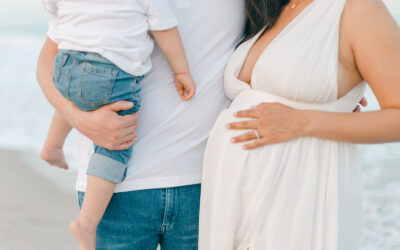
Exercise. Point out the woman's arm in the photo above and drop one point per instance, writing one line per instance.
(104, 126)
(375, 39)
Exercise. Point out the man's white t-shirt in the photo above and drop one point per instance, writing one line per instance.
(172, 134)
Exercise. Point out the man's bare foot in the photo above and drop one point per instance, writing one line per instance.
(54, 156)
(85, 233)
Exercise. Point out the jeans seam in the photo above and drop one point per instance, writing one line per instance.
(163, 226)
(58, 67)
(176, 204)
(167, 224)
(68, 80)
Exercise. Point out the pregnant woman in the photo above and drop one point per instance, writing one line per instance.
(281, 166)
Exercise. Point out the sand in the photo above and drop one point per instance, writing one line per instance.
(34, 212)
(38, 201)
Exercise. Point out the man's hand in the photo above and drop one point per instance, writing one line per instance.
(363, 103)
(106, 127)
(103, 126)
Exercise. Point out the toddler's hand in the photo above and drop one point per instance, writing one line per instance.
(185, 86)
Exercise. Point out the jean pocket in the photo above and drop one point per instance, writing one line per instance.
(59, 62)
(96, 83)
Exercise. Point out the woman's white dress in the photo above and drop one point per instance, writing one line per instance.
(299, 195)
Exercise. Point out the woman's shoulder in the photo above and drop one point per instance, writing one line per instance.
(373, 35)
(365, 6)
(361, 12)
(363, 19)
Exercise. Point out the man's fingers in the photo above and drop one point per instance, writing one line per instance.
(244, 137)
(364, 102)
(127, 138)
(128, 134)
(121, 105)
(128, 121)
(127, 144)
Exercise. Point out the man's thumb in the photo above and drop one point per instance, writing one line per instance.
(121, 105)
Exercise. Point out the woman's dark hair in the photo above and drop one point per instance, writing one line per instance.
(260, 14)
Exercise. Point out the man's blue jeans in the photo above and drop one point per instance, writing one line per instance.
(142, 220)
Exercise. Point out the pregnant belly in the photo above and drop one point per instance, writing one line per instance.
(298, 154)
(278, 189)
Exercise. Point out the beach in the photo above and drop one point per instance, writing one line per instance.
(38, 201)
(35, 213)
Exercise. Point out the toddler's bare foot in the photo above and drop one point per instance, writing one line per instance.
(54, 156)
(85, 233)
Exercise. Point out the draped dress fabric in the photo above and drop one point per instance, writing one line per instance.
(299, 195)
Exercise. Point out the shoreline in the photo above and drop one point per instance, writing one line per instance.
(34, 213)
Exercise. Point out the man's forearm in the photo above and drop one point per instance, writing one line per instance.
(44, 77)
(103, 126)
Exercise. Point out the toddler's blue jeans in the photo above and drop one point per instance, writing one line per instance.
(90, 81)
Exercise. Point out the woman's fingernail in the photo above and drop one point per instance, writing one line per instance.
(228, 126)
(233, 140)
(235, 114)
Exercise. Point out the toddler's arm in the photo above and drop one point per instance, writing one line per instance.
(171, 45)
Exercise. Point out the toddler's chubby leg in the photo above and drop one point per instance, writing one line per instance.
(52, 150)
(97, 198)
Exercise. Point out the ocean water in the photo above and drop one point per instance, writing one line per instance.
(25, 117)
(25, 112)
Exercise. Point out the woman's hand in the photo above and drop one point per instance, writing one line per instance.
(106, 128)
(274, 123)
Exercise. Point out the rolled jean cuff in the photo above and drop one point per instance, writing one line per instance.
(106, 168)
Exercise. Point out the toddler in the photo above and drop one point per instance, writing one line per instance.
(104, 53)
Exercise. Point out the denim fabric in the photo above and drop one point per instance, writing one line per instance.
(90, 81)
(142, 220)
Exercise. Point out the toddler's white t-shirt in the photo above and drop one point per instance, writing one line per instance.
(116, 29)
